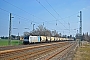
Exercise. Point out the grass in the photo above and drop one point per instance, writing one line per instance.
(83, 52)
(4, 42)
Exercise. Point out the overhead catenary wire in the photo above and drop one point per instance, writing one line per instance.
(24, 11)
(17, 16)
(32, 14)
(60, 16)
(48, 11)
(20, 17)
(54, 10)
(58, 13)
(28, 12)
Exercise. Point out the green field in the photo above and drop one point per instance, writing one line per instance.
(4, 42)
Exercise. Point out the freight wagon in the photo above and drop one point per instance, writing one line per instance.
(38, 39)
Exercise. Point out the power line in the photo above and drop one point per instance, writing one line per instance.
(54, 10)
(49, 11)
(20, 17)
(4, 10)
(51, 6)
(32, 14)
(46, 9)
(17, 15)
(63, 25)
(70, 15)
(23, 10)
(58, 13)
(13, 13)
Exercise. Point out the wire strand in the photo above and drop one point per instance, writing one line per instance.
(48, 11)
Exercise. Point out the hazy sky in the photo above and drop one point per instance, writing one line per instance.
(49, 12)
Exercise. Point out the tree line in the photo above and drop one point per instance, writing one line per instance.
(42, 31)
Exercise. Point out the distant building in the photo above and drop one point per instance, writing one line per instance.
(21, 38)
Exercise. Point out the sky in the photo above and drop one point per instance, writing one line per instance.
(60, 15)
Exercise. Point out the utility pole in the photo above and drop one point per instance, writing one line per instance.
(33, 27)
(80, 23)
(19, 33)
(9, 42)
(80, 29)
(69, 27)
(81, 26)
(18, 39)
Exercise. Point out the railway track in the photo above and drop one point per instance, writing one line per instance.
(61, 53)
(44, 52)
(52, 54)
(20, 46)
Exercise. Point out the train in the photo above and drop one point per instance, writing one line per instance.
(41, 39)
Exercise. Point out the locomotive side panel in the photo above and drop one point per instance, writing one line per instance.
(34, 39)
